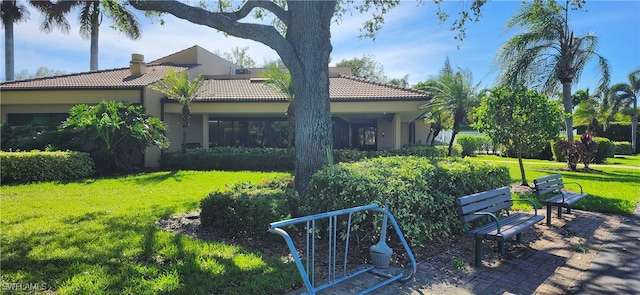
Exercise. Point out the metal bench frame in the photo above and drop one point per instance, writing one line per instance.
(491, 204)
(335, 275)
(553, 186)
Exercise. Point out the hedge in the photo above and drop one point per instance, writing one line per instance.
(231, 159)
(37, 166)
(421, 191)
(247, 209)
(623, 147)
(280, 159)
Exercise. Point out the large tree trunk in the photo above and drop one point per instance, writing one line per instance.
(568, 108)
(311, 41)
(291, 124)
(305, 51)
(95, 34)
(8, 43)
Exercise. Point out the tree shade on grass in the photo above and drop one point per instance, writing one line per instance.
(99, 237)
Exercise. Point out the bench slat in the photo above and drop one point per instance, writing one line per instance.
(509, 227)
(490, 201)
(482, 195)
(569, 199)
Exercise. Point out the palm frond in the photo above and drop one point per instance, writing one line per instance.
(85, 20)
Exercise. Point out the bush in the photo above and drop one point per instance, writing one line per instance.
(616, 131)
(29, 137)
(623, 148)
(279, 159)
(422, 151)
(115, 133)
(472, 143)
(247, 209)
(37, 166)
(231, 159)
(605, 149)
(348, 155)
(421, 192)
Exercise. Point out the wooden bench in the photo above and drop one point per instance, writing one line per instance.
(501, 224)
(552, 188)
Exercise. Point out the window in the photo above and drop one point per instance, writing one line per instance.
(247, 132)
(39, 119)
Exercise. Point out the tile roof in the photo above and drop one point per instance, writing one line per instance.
(341, 88)
(102, 79)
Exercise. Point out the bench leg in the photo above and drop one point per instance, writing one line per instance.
(568, 209)
(548, 215)
(478, 252)
(519, 238)
(501, 246)
(559, 212)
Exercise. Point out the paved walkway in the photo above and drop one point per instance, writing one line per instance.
(582, 253)
(616, 268)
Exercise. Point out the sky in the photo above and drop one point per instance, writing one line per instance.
(412, 41)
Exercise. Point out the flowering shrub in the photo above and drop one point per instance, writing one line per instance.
(247, 209)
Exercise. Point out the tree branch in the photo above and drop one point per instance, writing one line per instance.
(227, 22)
(282, 14)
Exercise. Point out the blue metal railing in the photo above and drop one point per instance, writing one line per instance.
(334, 275)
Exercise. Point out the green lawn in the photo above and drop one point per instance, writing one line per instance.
(612, 188)
(99, 237)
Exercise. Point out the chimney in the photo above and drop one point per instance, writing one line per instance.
(137, 65)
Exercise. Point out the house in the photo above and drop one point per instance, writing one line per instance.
(236, 108)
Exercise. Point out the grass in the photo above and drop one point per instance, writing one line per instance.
(99, 237)
(612, 188)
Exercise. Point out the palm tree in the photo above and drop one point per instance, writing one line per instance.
(453, 96)
(623, 95)
(53, 14)
(177, 86)
(283, 83)
(547, 55)
(91, 13)
(589, 110)
(11, 12)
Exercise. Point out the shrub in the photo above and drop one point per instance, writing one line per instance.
(623, 148)
(348, 155)
(36, 166)
(231, 159)
(472, 143)
(423, 151)
(587, 147)
(570, 152)
(247, 209)
(115, 133)
(279, 159)
(605, 149)
(421, 192)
